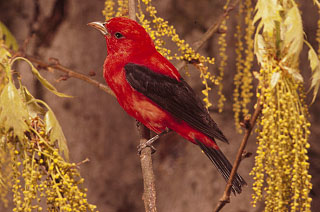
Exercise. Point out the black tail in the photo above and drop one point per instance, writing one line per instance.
(223, 166)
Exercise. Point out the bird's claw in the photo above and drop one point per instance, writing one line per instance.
(143, 146)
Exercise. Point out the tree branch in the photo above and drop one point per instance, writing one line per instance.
(209, 33)
(149, 193)
(69, 73)
(248, 125)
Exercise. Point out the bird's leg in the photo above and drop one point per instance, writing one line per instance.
(151, 140)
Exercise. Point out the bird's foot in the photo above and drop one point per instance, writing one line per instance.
(145, 145)
(150, 141)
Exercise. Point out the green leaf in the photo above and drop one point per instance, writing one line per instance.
(4, 54)
(13, 111)
(33, 107)
(43, 81)
(55, 132)
(9, 39)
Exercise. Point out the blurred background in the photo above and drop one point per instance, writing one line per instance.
(97, 128)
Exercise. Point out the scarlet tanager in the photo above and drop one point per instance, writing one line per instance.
(150, 89)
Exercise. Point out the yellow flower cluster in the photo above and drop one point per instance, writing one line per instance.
(243, 78)
(30, 141)
(45, 174)
(246, 85)
(108, 11)
(281, 164)
(239, 67)
(158, 28)
(223, 62)
(6, 174)
(162, 28)
(205, 75)
(122, 10)
(282, 161)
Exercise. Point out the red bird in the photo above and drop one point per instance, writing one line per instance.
(150, 89)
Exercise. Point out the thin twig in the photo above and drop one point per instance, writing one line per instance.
(69, 73)
(208, 34)
(248, 124)
(132, 9)
(149, 193)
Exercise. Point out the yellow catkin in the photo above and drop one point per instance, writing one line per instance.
(239, 69)
(282, 161)
(108, 11)
(205, 75)
(223, 62)
(122, 8)
(158, 28)
(243, 79)
(281, 167)
(31, 165)
(6, 174)
(246, 80)
(52, 178)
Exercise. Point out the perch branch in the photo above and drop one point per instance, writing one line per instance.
(248, 125)
(212, 29)
(149, 193)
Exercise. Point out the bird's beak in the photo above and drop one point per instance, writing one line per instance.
(99, 26)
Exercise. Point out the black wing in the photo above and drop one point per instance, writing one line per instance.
(176, 97)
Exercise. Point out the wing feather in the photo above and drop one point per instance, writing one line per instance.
(176, 97)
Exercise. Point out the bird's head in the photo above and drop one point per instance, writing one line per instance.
(124, 36)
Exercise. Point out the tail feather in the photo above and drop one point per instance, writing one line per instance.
(223, 166)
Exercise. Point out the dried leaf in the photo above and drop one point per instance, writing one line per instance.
(313, 58)
(256, 75)
(43, 81)
(260, 48)
(56, 134)
(274, 79)
(268, 12)
(13, 111)
(294, 72)
(315, 68)
(9, 39)
(316, 2)
(292, 34)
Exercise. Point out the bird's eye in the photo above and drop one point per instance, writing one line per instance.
(118, 35)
